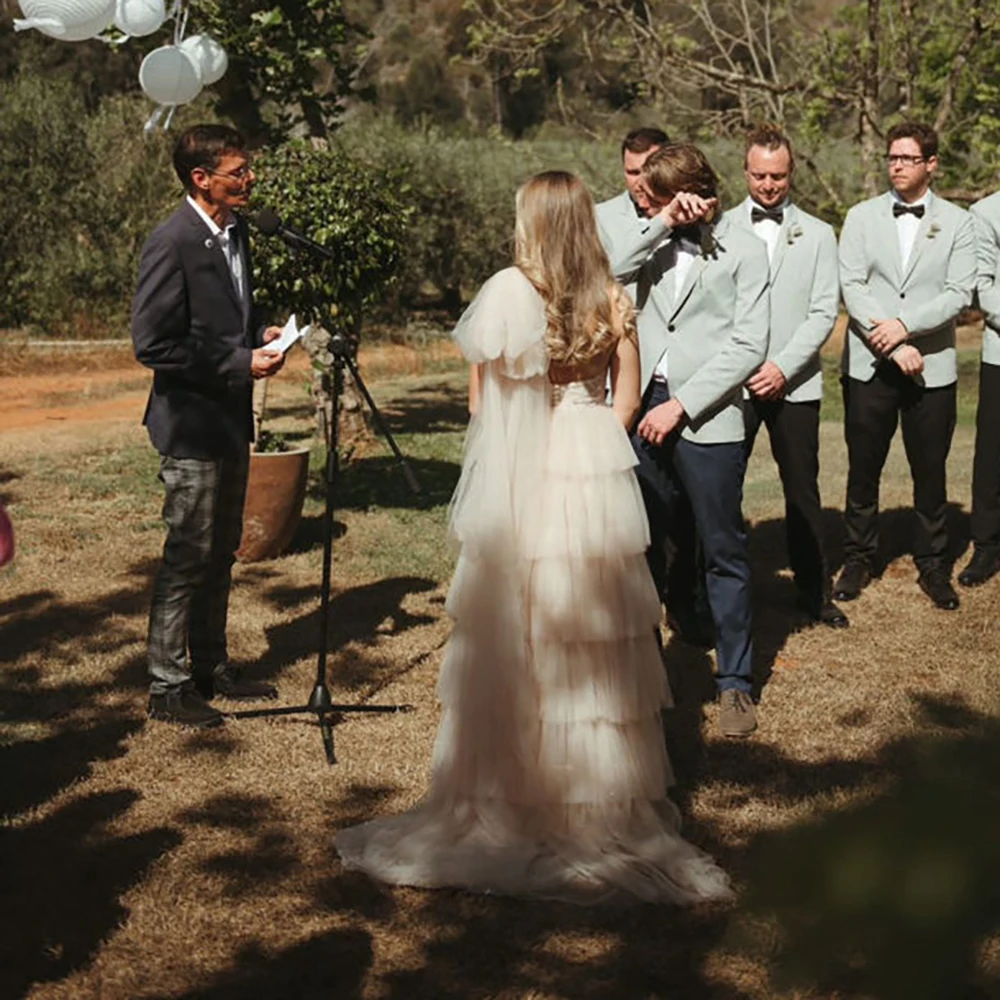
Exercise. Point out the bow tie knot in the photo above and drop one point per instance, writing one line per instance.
(758, 214)
(899, 209)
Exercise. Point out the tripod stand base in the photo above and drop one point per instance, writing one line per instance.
(327, 715)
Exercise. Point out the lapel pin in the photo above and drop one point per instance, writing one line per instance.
(209, 244)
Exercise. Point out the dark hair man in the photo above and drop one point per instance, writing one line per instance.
(907, 268)
(701, 292)
(784, 394)
(623, 219)
(193, 325)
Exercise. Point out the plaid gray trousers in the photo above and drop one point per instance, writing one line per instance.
(203, 511)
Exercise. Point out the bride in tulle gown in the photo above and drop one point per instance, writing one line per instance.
(550, 773)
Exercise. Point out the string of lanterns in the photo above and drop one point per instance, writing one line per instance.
(172, 74)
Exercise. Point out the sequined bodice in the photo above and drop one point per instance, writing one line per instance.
(585, 392)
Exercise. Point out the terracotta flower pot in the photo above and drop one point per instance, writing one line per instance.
(273, 508)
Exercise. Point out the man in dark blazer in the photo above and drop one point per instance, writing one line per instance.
(193, 325)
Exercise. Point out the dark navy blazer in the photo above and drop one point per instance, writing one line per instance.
(190, 326)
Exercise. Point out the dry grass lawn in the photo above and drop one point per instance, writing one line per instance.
(139, 860)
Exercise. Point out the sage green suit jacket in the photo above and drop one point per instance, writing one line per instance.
(986, 215)
(805, 297)
(927, 295)
(714, 329)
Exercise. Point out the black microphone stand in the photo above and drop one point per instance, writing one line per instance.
(320, 704)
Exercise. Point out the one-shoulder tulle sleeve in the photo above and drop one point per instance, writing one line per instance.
(505, 322)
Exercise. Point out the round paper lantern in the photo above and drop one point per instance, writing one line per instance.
(169, 76)
(67, 20)
(140, 17)
(209, 55)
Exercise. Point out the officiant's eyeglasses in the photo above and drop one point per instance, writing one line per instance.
(237, 175)
(904, 160)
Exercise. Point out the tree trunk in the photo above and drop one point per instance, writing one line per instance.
(871, 147)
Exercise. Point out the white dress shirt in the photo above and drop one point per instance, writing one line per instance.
(229, 244)
(684, 254)
(907, 226)
(766, 229)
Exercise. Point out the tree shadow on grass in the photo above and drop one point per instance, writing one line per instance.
(889, 898)
(430, 409)
(378, 481)
(775, 614)
(327, 966)
(61, 880)
(354, 616)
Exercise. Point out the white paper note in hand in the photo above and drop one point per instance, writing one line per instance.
(290, 333)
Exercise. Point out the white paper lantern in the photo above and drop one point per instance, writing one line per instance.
(140, 17)
(209, 55)
(169, 76)
(67, 20)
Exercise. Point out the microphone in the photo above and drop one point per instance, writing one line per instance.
(270, 224)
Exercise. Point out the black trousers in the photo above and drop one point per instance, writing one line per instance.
(793, 430)
(871, 412)
(986, 464)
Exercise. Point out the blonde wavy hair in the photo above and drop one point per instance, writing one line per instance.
(557, 248)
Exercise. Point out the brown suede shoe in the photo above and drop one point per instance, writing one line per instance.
(737, 715)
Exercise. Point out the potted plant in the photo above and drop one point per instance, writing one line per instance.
(276, 488)
(355, 211)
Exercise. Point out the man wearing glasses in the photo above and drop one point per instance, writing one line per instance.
(193, 325)
(907, 268)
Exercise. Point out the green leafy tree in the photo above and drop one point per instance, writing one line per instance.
(291, 63)
(355, 212)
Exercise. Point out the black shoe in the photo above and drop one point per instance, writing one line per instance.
(854, 577)
(691, 627)
(938, 588)
(823, 612)
(184, 707)
(983, 565)
(231, 685)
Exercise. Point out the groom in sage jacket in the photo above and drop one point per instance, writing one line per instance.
(701, 295)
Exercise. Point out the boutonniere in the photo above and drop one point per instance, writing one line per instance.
(709, 244)
(794, 232)
(209, 244)
(933, 231)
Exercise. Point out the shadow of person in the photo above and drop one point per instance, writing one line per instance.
(62, 881)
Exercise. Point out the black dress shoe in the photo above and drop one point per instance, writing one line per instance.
(938, 588)
(231, 685)
(184, 708)
(824, 612)
(854, 577)
(983, 565)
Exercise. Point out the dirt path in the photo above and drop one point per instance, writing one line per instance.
(107, 386)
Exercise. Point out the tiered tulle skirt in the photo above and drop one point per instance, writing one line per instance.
(550, 772)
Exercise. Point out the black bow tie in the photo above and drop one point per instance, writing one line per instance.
(898, 210)
(758, 214)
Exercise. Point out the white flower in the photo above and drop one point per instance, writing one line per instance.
(794, 233)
